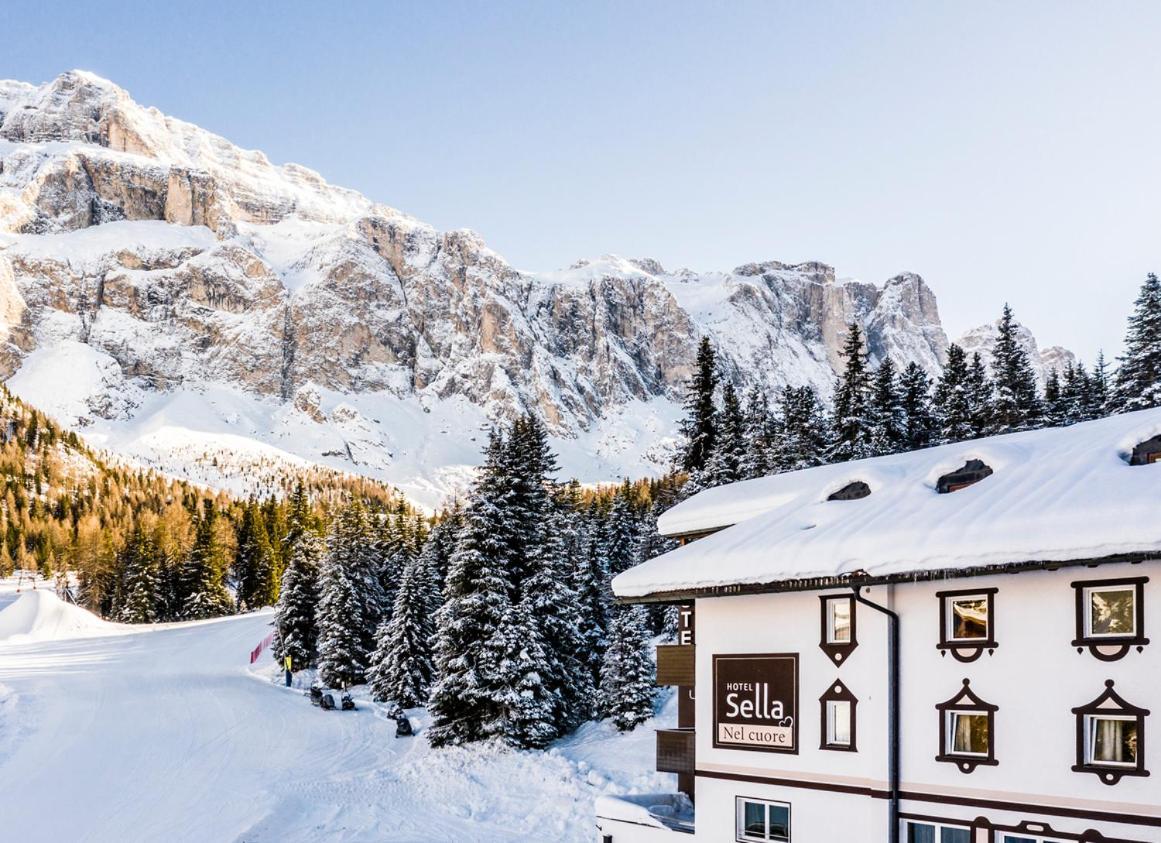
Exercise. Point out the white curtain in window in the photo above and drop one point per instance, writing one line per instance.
(1107, 739)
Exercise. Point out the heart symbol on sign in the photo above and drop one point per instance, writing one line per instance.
(786, 721)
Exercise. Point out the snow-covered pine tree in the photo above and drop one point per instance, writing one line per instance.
(804, 432)
(141, 589)
(1138, 382)
(952, 402)
(699, 427)
(401, 668)
(981, 398)
(441, 543)
(651, 543)
(590, 581)
(853, 425)
(477, 594)
(526, 706)
(887, 412)
(915, 399)
(1016, 404)
(295, 622)
(1098, 394)
(620, 532)
(1055, 401)
(204, 570)
(254, 567)
(725, 461)
(760, 435)
(627, 673)
(543, 529)
(350, 605)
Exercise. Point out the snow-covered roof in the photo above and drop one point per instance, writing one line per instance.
(1056, 495)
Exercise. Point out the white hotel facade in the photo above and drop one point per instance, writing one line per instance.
(946, 646)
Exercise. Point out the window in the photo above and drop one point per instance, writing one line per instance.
(1111, 741)
(967, 621)
(967, 730)
(1022, 838)
(970, 733)
(759, 819)
(1110, 616)
(970, 473)
(1110, 737)
(923, 832)
(838, 706)
(1147, 452)
(838, 627)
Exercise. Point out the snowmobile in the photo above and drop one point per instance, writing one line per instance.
(328, 703)
(403, 726)
(316, 695)
(347, 702)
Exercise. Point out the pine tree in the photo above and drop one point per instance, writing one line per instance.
(699, 426)
(853, 425)
(952, 399)
(525, 705)
(915, 400)
(980, 397)
(477, 594)
(760, 436)
(350, 606)
(1016, 405)
(590, 581)
(295, 624)
(1055, 401)
(804, 431)
(887, 413)
(627, 673)
(138, 558)
(254, 566)
(1138, 383)
(621, 531)
(204, 569)
(725, 461)
(1099, 398)
(401, 669)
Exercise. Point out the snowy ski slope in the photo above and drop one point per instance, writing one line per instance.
(110, 733)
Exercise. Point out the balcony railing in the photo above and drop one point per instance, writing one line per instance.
(675, 664)
(675, 751)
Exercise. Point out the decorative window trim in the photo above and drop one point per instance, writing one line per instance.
(966, 702)
(964, 649)
(739, 819)
(838, 692)
(1111, 704)
(838, 651)
(1110, 648)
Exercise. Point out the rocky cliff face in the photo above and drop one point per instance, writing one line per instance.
(143, 259)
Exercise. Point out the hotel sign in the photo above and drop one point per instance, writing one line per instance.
(756, 702)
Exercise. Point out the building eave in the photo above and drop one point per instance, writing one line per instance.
(860, 578)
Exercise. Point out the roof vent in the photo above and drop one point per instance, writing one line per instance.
(851, 492)
(972, 471)
(1147, 452)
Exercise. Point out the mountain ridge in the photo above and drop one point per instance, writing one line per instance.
(145, 262)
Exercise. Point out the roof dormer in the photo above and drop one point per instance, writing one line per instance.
(971, 472)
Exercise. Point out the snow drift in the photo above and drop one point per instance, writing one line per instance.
(39, 615)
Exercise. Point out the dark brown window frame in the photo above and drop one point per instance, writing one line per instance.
(967, 763)
(1109, 775)
(838, 692)
(838, 652)
(1121, 643)
(967, 651)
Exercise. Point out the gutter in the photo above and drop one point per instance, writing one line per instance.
(893, 717)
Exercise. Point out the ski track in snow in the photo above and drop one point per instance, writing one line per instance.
(166, 733)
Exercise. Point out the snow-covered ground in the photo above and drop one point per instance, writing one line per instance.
(166, 733)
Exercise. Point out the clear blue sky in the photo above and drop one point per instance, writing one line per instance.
(1005, 151)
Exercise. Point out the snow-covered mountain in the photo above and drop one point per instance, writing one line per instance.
(188, 304)
(980, 340)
